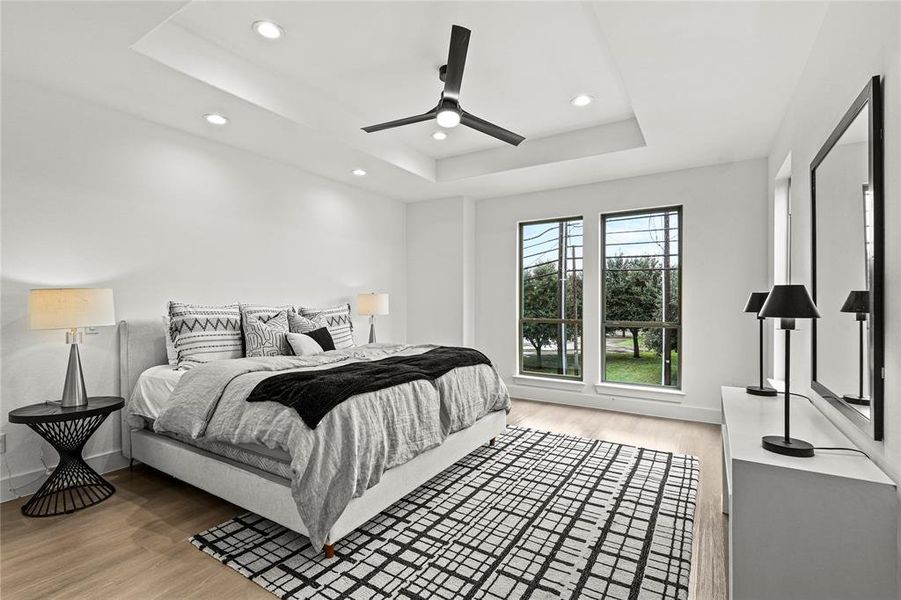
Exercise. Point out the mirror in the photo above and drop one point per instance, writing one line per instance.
(846, 197)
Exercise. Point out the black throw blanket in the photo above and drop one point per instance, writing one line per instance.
(314, 393)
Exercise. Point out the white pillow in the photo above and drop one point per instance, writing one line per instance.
(302, 344)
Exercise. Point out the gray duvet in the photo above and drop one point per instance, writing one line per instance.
(354, 444)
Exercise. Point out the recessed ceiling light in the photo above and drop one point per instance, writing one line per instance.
(439, 135)
(268, 30)
(581, 100)
(215, 119)
(359, 172)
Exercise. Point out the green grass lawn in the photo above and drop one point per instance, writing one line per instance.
(624, 368)
(550, 364)
(621, 367)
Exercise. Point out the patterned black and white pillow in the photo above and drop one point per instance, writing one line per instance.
(202, 333)
(301, 324)
(264, 312)
(266, 337)
(337, 319)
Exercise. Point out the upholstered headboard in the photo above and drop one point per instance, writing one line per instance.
(142, 344)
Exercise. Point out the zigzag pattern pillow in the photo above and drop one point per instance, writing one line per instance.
(337, 320)
(202, 333)
(266, 338)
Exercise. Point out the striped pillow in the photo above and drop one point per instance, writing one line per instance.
(203, 333)
(337, 320)
(266, 337)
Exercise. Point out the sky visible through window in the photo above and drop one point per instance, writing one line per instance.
(541, 244)
(638, 236)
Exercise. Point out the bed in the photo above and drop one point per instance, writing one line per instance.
(253, 476)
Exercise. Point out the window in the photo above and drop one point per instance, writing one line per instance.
(642, 297)
(550, 298)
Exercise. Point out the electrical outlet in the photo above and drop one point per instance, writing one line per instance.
(2, 443)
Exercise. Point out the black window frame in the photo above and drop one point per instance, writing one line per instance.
(520, 305)
(605, 324)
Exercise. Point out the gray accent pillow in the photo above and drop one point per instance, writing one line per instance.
(266, 337)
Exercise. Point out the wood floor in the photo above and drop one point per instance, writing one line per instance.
(135, 546)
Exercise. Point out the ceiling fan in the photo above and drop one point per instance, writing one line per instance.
(448, 112)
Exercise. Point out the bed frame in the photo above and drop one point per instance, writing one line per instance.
(142, 345)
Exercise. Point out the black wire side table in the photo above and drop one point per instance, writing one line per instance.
(73, 485)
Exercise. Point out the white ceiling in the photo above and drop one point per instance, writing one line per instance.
(676, 84)
(380, 61)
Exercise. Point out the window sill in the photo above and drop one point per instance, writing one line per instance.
(550, 382)
(640, 392)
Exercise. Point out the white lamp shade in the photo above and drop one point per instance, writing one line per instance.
(70, 308)
(372, 304)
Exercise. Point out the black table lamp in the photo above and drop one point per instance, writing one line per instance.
(858, 302)
(755, 303)
(788, 302)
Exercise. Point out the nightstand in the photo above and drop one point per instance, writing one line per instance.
(73, 485)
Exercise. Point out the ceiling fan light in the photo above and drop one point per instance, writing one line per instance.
(448, 118)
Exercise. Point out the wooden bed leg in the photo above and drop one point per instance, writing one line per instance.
(329, 550)
(491, 441)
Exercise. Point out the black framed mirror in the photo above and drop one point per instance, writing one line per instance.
(847, 239)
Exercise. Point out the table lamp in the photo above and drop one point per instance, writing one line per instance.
(858, 302)
(788, 302)
(71, 309)
(755, 303)
(371, 305)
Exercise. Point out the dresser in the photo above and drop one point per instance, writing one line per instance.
(817, 528)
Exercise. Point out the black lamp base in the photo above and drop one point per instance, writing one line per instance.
(756, 390)
(794, 447)
(852, 399)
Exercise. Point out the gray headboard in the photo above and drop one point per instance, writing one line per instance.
(142, 344)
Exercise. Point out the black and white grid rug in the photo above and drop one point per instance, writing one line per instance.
(539, 515)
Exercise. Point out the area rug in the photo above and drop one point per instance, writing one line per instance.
(539, 515)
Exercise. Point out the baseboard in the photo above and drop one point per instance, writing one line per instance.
(28, 483)
(651, 408)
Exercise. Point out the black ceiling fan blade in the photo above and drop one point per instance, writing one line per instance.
(456, 60)
(399, 122)
(490, 129)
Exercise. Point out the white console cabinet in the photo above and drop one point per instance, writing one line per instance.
(820, 528)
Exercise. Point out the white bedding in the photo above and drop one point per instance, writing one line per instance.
(153, 391)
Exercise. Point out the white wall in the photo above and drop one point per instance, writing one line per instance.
(857, 40)
(725, 257)
(94, 197)
(440, 267)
